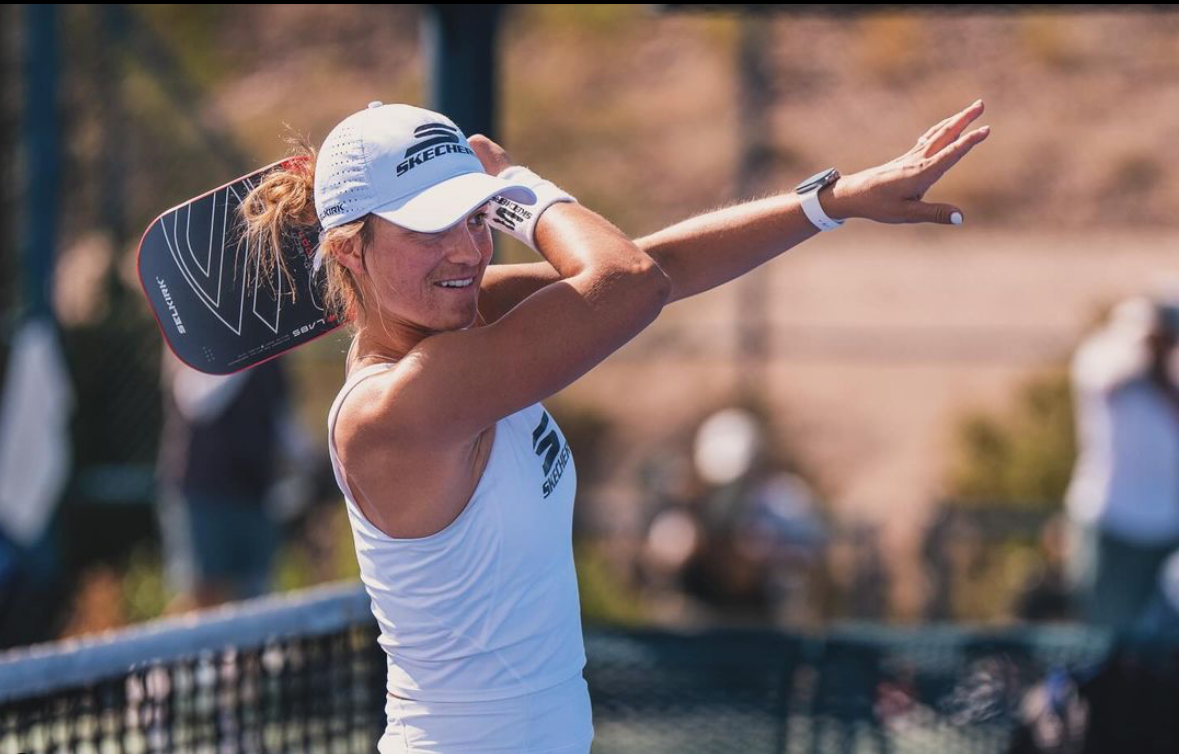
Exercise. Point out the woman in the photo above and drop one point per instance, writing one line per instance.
(459, 485)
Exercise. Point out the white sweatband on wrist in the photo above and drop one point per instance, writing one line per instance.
(519, 220)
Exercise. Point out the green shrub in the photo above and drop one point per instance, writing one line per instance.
(1022, 457)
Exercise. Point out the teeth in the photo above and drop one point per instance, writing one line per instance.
(458, 283)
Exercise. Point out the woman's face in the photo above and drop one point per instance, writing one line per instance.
(406, 267)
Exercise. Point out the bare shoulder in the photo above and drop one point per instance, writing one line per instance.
(406, 485)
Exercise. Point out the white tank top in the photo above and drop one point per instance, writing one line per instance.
(488, 607)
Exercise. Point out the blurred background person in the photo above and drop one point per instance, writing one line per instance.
(733, 531)
(1123, 499)
(782, 528)
(221, 503)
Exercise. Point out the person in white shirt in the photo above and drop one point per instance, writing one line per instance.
(458, 483)
(1123, 499)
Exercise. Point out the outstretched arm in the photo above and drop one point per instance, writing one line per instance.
(702, 252)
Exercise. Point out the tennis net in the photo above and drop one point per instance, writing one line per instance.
(294, 673)
(304, 673)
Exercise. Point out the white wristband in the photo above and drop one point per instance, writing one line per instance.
(519, 220)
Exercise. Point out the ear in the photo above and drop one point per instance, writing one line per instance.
(347, 253)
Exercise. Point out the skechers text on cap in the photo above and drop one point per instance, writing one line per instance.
(410, 166)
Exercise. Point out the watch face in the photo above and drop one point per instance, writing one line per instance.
(818, 180)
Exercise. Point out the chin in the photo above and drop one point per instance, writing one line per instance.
(465, 324)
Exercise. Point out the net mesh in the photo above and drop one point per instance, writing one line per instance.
(304, 673)
(854, 689)
(313, 694)
(311, 681)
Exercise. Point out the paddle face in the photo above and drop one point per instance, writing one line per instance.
(192, 266)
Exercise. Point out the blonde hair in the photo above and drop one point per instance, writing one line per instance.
(283, 203)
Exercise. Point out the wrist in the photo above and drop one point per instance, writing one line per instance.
(520, 221)
(836, 199)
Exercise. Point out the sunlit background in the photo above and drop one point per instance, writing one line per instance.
(892, 401)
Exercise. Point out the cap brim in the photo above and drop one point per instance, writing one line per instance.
(447, 203)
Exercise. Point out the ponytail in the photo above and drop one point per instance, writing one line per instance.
(283, 202)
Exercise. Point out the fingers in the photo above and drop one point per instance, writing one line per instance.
(925, 137)
(949, 129)
(938, 149)
(492, 155)
(946, 214)
(949, 156)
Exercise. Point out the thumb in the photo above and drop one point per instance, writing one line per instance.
(942, 214)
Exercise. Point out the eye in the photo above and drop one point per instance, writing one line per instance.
(479, 218)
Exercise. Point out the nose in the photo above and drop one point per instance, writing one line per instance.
(466, 248)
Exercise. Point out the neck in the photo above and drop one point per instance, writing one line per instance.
(388, 339)
(369, 347)
(392, 344)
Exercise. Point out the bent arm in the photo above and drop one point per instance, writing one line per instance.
(454, 384)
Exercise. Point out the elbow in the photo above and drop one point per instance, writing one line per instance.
(651, 286)
(655, 279)
(635, 283)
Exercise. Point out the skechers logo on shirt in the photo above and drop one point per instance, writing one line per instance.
(548, 445)
(439, 139)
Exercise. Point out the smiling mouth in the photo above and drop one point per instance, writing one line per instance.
(457, 285)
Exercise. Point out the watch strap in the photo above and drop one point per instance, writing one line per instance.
(814, 211)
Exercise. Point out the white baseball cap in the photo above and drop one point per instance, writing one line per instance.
(410, 166)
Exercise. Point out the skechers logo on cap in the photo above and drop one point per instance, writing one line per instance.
(437, 139)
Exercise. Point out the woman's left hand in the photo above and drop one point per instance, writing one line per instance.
(893, 192)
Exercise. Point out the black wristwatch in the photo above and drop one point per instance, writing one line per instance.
(808, 191)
